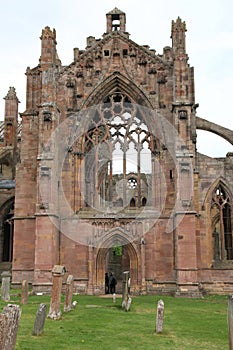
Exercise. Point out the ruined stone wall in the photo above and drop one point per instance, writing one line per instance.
(165, 255)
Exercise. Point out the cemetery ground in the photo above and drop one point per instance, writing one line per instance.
(99, 324)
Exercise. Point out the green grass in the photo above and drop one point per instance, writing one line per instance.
(98, 324)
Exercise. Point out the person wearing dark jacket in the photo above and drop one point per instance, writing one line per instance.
(106, 283)
(112, 283)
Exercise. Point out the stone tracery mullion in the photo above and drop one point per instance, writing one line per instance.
(118, 125)
(220, 199)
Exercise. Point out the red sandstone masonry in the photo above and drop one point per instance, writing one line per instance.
(161, 259)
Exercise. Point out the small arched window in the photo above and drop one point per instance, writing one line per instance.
(132, 202)
(144, 200)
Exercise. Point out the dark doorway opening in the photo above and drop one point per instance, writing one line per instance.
(7, 234)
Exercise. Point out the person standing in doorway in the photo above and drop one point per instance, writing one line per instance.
(112, 283)
(106, 283)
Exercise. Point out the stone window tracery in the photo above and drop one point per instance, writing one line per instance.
(117, 155)
(222, 233)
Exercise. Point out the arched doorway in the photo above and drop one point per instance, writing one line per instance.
(116, 259)
(6, 233)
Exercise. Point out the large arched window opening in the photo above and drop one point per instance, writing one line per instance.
(118, 155)
(222, 227)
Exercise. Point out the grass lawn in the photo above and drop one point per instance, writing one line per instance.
(98, 324)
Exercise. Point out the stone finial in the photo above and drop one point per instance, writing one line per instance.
(11, 95)
(47, 33)
(178, 36)
(49, 56)
(179, 25)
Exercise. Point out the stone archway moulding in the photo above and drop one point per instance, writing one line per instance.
(109, 84)
(101, 255)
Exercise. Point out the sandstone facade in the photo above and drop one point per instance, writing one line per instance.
(109, 178)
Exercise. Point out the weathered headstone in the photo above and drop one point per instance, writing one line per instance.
(128, 304)
(125, 295)
(114, 298)
(125, 288)
(6, 283)
(160, 316)
(3, 328)
(74, 304)
(69, 293)
(230, 321)
(55, 302)
(24, 292)
(40, 319)
(9, 322)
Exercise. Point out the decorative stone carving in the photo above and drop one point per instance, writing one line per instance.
(45, 171)
(47, 116)
(183, 114)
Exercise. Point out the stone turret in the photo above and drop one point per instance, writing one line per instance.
(11, 118)
(178, 36)
(48, 48)
(184, 94)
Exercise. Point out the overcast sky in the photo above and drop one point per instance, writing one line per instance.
(209, 43)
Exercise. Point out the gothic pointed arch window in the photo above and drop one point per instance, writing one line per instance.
(221, 212)
(118, 155)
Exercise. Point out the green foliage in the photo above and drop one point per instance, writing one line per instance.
(117, 250)
(98, 324)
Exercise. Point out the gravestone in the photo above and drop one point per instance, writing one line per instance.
(125, 295)
(74, 304)
(24, 292)
(114, 298)
(6, 283)
(40, 319)
(58, 272)
(128, 304)
(160, 316)
(3, 329)
(69, 294)
(230, 321)
(9, 322)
